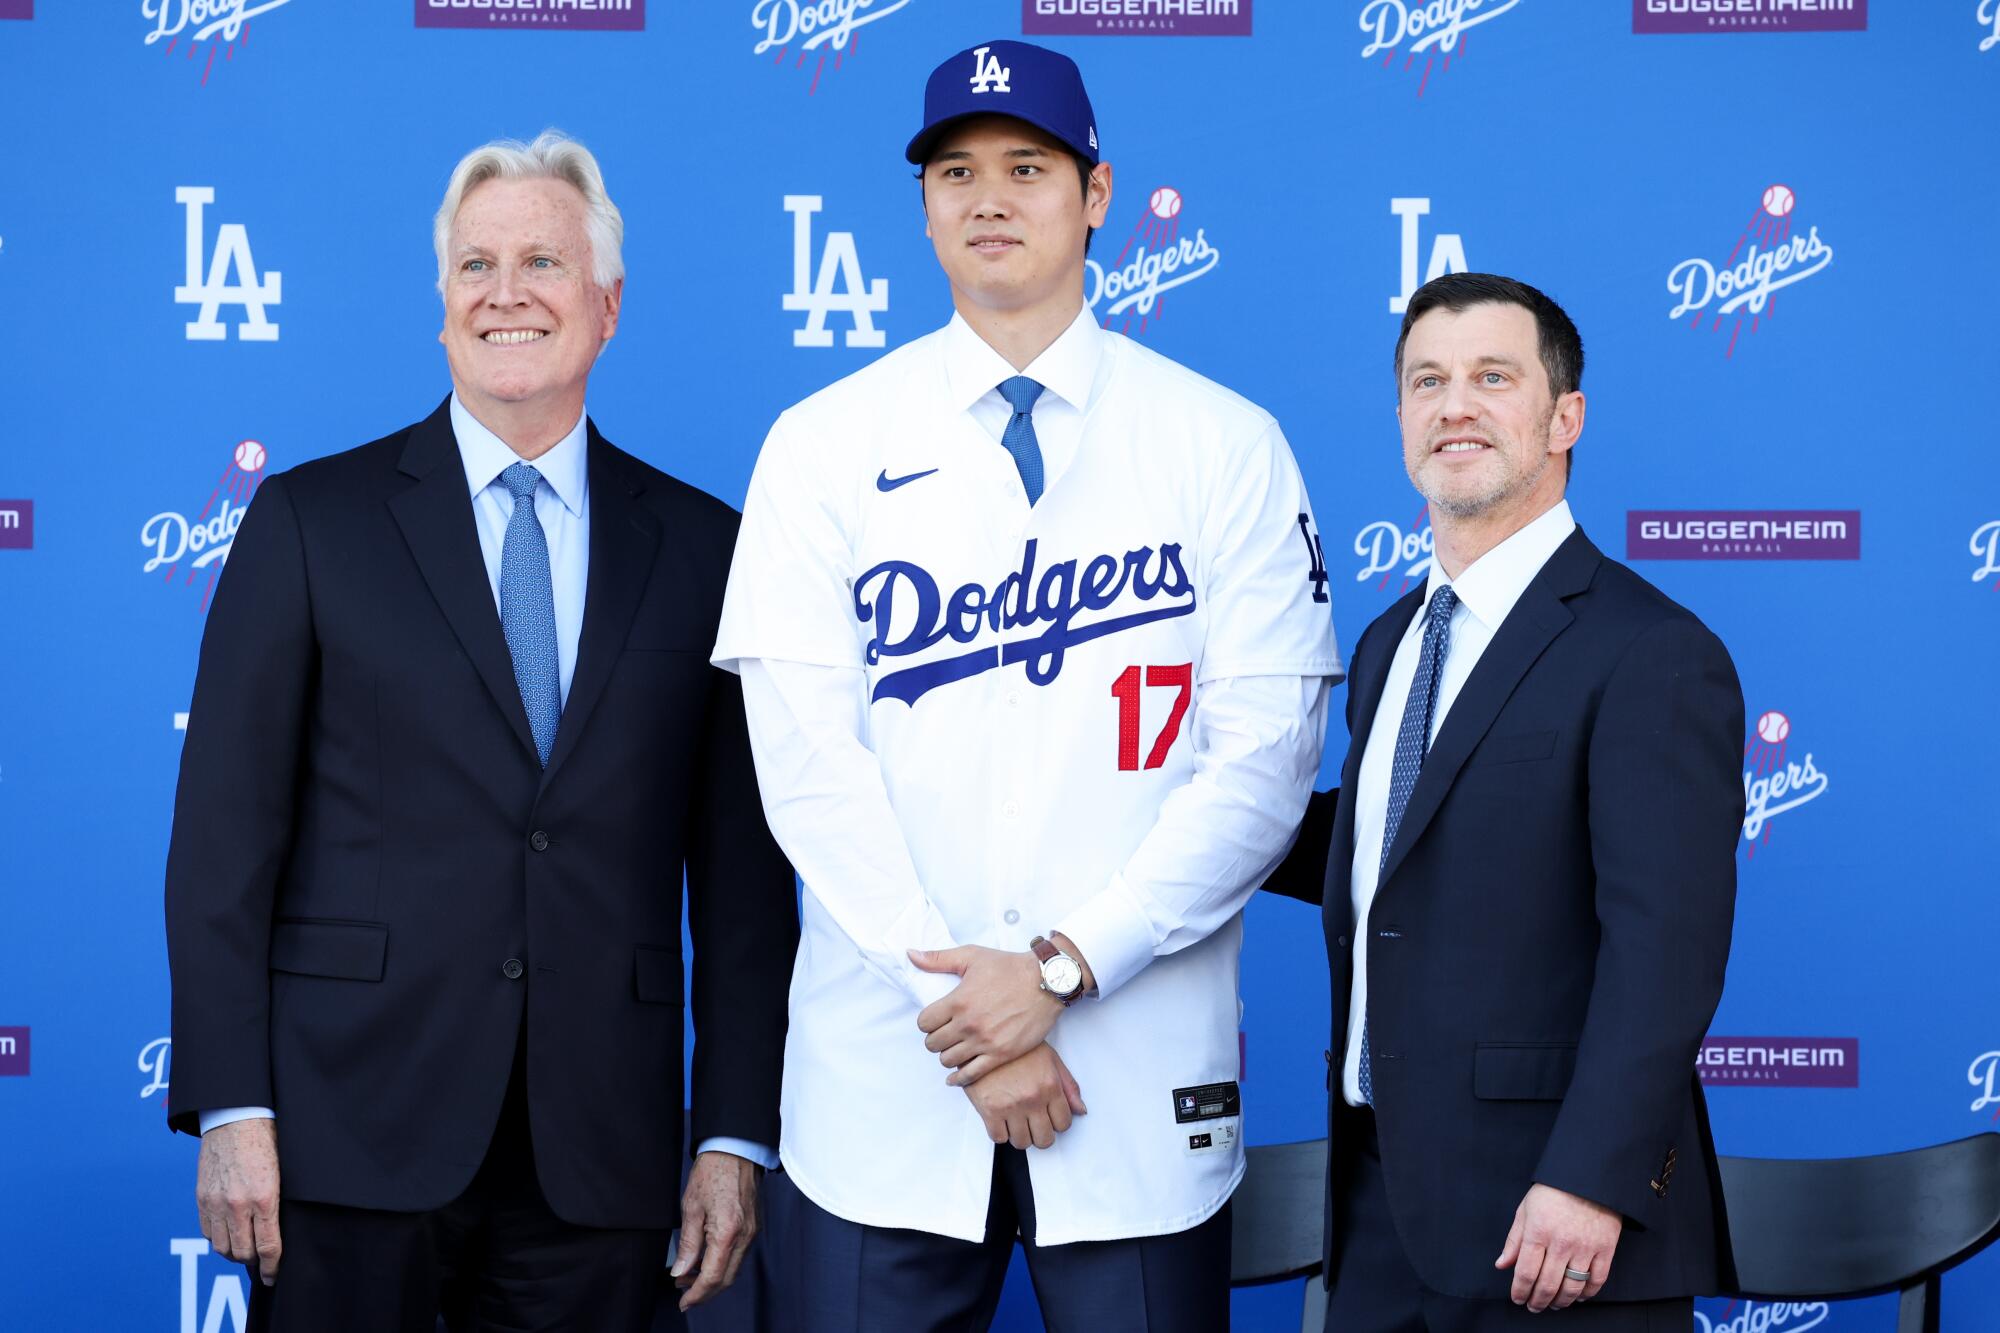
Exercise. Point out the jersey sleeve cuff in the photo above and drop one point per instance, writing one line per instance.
(1113, 933)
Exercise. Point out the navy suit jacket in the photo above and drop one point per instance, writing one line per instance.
(1546, 947)
(375, 889)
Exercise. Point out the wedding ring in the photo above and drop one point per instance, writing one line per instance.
(1575, 1276)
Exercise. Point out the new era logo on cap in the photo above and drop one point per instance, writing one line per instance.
(1007, 78)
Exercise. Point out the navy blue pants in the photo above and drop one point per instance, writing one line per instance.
(836, 1276)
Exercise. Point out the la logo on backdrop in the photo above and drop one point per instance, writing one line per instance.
(837, 286)
(232, 257)
(195, 549)
(1768, 256)
(804, 33)
(1155, 259)
(1434, 30)
(200, 29)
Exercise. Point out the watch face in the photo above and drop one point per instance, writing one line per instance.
(1062, 974)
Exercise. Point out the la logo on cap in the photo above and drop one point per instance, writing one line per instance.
(988, 74)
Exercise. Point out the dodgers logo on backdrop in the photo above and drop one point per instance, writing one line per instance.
(17, 525)
(819, 296)
(1412, 28)
(1988, 17)
(1743, 534)
(198, 29)
(1984, 1076)
(1741, 1316)
(1447, 251)
(232, 255)
(1156, 259)
(202, 543)
(1655, 16)
(227, 1308)
(1985, 548)
(14, 1051)
(1386, 550)
(1780, 1062)
(1774, 784)
(572, 15)
(911, 614)
(155, 1057)
(818, 27)
(1154, 18)
(1766, 258)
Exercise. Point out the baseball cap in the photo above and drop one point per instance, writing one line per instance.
(1017, 79)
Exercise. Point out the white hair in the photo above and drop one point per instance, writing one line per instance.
(552, 156)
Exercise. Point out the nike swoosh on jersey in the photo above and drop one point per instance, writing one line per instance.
(885, 482)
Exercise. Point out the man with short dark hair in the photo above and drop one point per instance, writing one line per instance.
(1531, 881)
(1035, 645)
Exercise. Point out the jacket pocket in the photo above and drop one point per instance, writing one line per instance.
(1505, 1071)
(349, 950)
(1516, 749)
(656, 977)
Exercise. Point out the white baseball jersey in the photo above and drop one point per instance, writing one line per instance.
(977, 720)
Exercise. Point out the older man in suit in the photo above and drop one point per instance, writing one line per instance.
(1529, 892)
(455, 741)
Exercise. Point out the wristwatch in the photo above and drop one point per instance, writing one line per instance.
(1062, 975)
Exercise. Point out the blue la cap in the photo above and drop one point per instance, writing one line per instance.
(1027, 82)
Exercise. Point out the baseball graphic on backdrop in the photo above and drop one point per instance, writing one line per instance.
(250, 456)
(1778, 200)
(1773, 727)
(1166, 202)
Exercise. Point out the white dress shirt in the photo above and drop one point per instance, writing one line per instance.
(1487, 590)
(944, 783)
(562, 503)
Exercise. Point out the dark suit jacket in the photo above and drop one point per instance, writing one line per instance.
(374, 887)
(1546, 945)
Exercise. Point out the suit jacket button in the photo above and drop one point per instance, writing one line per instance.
(1341, 941)
(539, 840)
(512, 969)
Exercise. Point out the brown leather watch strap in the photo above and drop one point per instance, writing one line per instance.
(1042, 949)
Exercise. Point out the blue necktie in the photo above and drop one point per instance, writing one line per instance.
(1413, 741)
(528, 609)
(1021, 393)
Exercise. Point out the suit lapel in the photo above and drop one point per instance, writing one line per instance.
(1526, 633)
(623, 539)
(1364, 684)
(435, 515)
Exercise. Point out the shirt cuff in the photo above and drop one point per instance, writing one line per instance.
(1114, 935)
(229, 1115)
(744, 1148)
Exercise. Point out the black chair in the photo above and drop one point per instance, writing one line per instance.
(1277, 1220)
(1862, 1226)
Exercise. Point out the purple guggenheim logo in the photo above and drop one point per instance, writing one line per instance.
(1743, 534)
(13, 1051)
(1155, 18)
(1781, 1062)
(17, 525)
(1653, 16)
(570, 15)
(17, 9)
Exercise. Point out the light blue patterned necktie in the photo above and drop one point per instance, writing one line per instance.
(1413, 742)
(1021, 393)
(528, 609)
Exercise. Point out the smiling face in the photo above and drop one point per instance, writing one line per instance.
(524, 319)
(1480, 428)
(1004, 210)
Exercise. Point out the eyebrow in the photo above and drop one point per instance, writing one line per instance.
(1507, 362)
(962, 155)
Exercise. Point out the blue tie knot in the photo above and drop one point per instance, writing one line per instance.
(1021, 393)
(1443, 602)
(520, 481)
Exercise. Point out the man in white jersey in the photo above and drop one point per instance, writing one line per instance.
(1035, 642)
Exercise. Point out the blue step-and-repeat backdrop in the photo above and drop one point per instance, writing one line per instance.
(1772, 219)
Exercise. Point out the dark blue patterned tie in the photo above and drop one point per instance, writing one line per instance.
(1021, 393)
(1413, 741)
(528, 609)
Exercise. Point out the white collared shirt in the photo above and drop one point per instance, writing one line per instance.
(1116, 743)
(1487, 590)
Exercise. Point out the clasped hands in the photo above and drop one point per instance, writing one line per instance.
(992, 1033)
